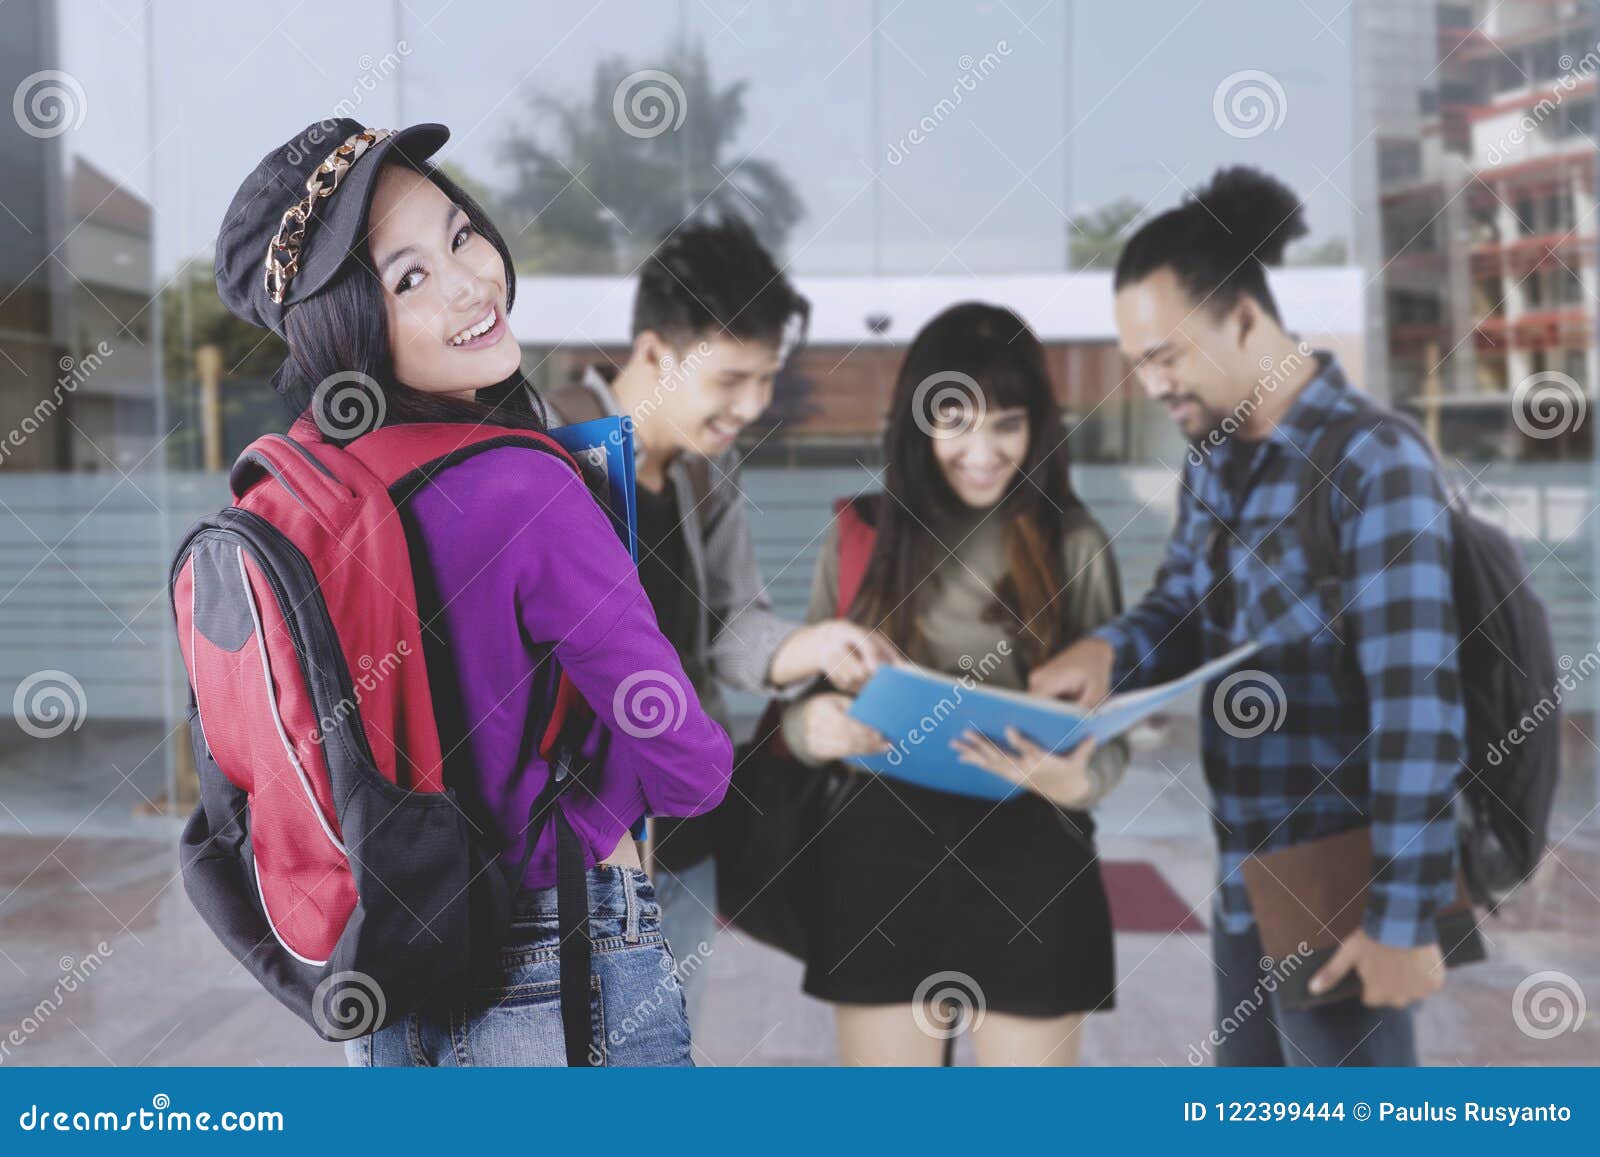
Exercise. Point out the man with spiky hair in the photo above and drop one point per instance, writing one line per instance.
(714, 319)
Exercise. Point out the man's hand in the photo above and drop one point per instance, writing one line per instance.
(843, 652)
(831, 734)
(1390, 977)
(1081, 673)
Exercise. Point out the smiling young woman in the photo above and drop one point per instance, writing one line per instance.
(983, 558)
(399, 285)
(421, 308)
(444, 288)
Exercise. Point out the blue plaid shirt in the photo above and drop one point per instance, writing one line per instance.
(1289, 758)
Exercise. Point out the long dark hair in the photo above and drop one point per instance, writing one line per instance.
(344, 330)
(982, 348)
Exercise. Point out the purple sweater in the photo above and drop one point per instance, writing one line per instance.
(521, 557)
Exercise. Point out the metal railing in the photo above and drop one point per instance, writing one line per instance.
(83, 562)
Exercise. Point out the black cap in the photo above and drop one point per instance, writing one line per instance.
(340, 152)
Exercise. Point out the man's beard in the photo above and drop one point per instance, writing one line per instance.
(1203, 422)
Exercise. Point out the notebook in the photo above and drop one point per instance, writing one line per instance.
(919, 711)
(1315, 893)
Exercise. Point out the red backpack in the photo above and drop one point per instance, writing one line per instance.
(328, 853)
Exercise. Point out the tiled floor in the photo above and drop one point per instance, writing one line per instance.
(102, 960)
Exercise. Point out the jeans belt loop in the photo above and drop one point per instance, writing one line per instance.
(630, 930)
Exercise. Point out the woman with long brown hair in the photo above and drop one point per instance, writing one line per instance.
(983, 560)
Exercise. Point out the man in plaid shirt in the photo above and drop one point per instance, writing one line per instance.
(1296, 759)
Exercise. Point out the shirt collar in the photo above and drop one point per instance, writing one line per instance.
(1327, 392)
(596, 382)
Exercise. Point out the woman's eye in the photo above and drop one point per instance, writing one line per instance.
(461, 236)
(409, 280)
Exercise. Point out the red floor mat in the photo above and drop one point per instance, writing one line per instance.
(1143, 901)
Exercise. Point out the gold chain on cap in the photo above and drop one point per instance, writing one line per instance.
(291, 234)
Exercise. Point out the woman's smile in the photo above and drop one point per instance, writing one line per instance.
(486, 331)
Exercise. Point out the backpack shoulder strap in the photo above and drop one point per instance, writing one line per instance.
(1314, 519)
(312, 477)
(856, 539)
(406, 457)
(1319, 532)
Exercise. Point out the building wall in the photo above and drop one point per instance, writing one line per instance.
(1488, 248)
(30, 315)
(835, 397)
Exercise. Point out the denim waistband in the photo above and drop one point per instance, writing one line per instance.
(613, 891)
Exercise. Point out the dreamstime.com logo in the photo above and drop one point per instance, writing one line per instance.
(667, 992)
(319, 139)
(1547, 1004)
(49, 103)
(649, 703)
(947, 404)
(1249, 703)
(947, 1004)
(1575, 75)
(1274, 372)
(160, 1117)
(648, 103)
(1573, 674)
(372, 672)
(346, 1005)
(973, 72)
(974, 672)
(1249, 103)
(74, 373)
(75, 974)
(1273, 974)
(347, 405)
(49, 703)
(1548, 404)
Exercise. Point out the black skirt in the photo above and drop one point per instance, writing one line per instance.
(914, 883)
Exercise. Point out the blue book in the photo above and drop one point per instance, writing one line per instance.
(606, 445)
(919, 711)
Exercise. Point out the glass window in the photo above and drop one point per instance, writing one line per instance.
(897, 158)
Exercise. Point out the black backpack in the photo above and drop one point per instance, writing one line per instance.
(1509, 675)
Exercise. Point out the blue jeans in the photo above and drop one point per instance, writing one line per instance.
(512, 1015)
(689, 912)
(1252, 1030)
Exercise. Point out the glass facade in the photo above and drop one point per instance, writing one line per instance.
(898, 157)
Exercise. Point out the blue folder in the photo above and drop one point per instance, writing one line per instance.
(920, 711)
(606, 445)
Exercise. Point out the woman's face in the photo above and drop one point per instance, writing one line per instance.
(982, 461)
(444, 286)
